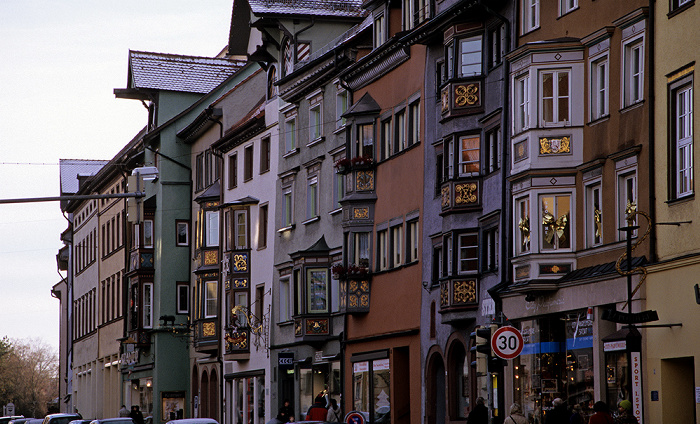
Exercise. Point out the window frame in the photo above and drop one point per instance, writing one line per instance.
(183, 299)
(248, 156)
(468, 253)
(312, 197)
(285, 305)
(396, 246)
(489, 247)
(556, 97)
(211, 228)
(382, 250)
(523, 243)
(265, 153)
(555, 246)
(593, 192)
(342, 100)
(471, 167)
(682, 122)
(599, 107)
(287, 206)
(178, 240)
(521, 103)
(148, 233)
(315, 121)
(210, 302)
(310, 293)
(567, 6)
(263, 223)
(461, 55)
(628, 75)
(627, 189)
(492, 156)
(233, 170)
(236, 227)
(413, 122)
(412, 241)
(290, 136)
(147, 310)
(530, 18)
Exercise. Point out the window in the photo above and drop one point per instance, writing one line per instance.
(240, 298)
(556, 217)
(248, 163)
(290, 128)
(211, 228)
(288, 204)
(438, 270)
(338, 190)
(413, 123)
(285, 305)
(594, 215)
(147, 233)
(360, 252)
(232, 171)
(521, 114)
(264, 155)
(469, 56)
(682, 128)
(199, 172)
(396, 246)
(468, 253)
(341, 106)
(493, 150)
(317, 290)
(566, 6)
(148, 305)
(412, 241)
(210, 299)
(312, 198)
(447, 243)
(627, 199)
(241, 229)
(468, 155)
(522, 208)
(495, 39)
(262, 227)
(385, 149)
(599, 88)
(449, 162)
(439, 173)
(490, 250)
(371, 382)
(531, 15)
(365, 141)
(272, 89)
(677, 4)
(555, 101)
(633, 61)
(183, 233)
(379, 30)
(183, 298)
(399, 131)
(440, 76)
(382, 250)
(315, 122)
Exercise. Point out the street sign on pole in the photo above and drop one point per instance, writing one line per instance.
(507, 342)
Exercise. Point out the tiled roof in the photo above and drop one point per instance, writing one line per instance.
(190, 74)
(70, 169)
(334, 8)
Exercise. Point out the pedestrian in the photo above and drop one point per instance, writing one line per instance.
(317, 411)
(558, 414)
(285, 413)
(136, 414)
(334, 415)
(516, 415)
(601, 414)
(480, 413)
(123, 412)
(577, 415)
(625, 415)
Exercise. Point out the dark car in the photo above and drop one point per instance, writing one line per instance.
(122, 420)
(19, 420)
(6, 420)
(61, 418)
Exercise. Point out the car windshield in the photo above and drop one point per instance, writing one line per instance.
(62, 420)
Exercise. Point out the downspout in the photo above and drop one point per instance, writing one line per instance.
(652, 101)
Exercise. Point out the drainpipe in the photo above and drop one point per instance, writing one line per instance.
(652, 101)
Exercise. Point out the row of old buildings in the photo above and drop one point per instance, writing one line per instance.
(335, 203)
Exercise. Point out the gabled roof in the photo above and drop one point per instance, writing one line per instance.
(365, 106)
(325, 8)
(170, 72)
(72, 171)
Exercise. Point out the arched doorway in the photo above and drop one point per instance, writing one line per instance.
(204, 401)
(459, 384)
(195, 391)
(214, 396)
(436, 401)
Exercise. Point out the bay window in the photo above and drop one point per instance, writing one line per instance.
(317, 290)
(211, 298)
(555, 219)
(468, 252)
(522, 208)
(555, 100)
(521, 104)
(469, 155)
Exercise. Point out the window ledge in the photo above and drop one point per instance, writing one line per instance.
(291, 153)
(340, 129)
(285, 323)
(632, 106)
(312, 220)
(335, 211)
(287, 228)
(682, 199)
(316, 141)
(679, 10)
(597, 121)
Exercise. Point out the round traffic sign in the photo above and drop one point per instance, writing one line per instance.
(507, 342)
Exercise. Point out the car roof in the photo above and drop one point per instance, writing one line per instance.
(194, 421)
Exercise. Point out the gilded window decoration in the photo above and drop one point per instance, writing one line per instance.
(444, 294)
(211, 257)
(598, 220)
(464, 292)
(317, 326)
(445, 196)
(240, 262)
(554, 146)
(466, 95)
(240, 283)
(520, 151)
(630, 210)
(554, 227)
(208, 329)
(465, 193)
(236, 340)
(361, 213)
(524, 227)
(365, 180)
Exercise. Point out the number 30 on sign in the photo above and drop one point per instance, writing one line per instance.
(507, 342)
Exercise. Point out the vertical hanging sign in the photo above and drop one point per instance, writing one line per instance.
(637, 385)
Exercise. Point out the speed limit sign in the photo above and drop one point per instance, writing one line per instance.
(507, 342)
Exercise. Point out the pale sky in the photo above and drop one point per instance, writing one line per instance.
(59, 63)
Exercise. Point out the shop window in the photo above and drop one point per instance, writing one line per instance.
(371, 389)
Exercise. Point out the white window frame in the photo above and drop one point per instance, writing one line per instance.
(413, 122)
(600, 87)
(556, 213)
(530, 15)
(240, 228)
(521, 103)
(211, 300)
(626, 190)
(493, 145)
(338, 190)
(633, 71)
(382, 250)
(386, 139)
(287, 207)
(557, 97)
(341, 106)
(148, 233)
(683, 140)
(464, 250)
(361, 248)
(467, 162)
(310, 290)
(285, 308)
(211, 225)
(594, 197)
(148, 305)
(470, 56)
(290, 139)
(412, 236)
(396, 246)
(379, 29)
(315, 121)
(566, 6)
(312, 197)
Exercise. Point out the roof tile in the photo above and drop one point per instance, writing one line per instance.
(334, 8)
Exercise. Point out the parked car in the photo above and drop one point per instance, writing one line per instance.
(34, 421)
(123, 420)
(194, 421)
(6, 420)
(61, 418)
(76, 422)
(19, 420)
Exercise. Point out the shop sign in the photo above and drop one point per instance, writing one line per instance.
(285, 360)
(637, 386)
(615, 346)
(130, 358)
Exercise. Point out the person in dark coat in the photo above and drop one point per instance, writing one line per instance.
(480, 413)
(286, 413)
(317, 411)
(136, 414)
(559, 414)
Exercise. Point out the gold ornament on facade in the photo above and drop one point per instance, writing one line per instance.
(240, 262)
(364, 300)
(239, 340)
(524, 226)
(444, 295)
(466, 95)
(552, 146)
(633, 212)
(465, 193)
(630, 212)
(240, 283)
(445, 96)
(208, 329)
(365, 180)
(464, 291)
(598, 219)
(211, 257)
(361, 213)
(554, 227)
(445, 195)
